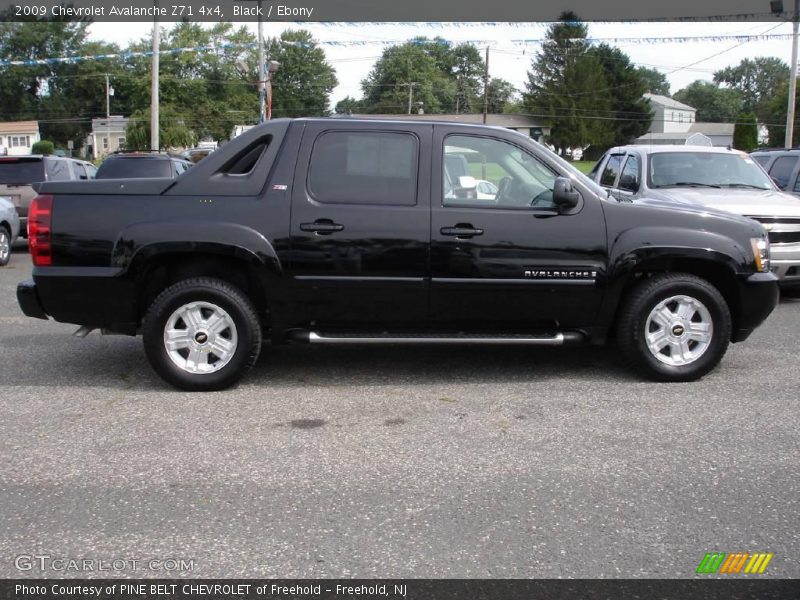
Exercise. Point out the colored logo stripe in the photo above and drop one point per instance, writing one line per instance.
(721, 562)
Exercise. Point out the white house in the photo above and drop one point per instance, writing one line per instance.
(675, 123)
(18, 137)
(107, 136)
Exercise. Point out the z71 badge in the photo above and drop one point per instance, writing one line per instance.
(560, 274)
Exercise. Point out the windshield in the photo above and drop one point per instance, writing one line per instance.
(21, 171)
(706, 169)
(124, 168)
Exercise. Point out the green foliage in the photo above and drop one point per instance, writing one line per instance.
(304, 81)
(445, 79)
(208, 92)
(174, 131)
(655, 82)
(502, 95)
(625, 87)
(756, 80)
(348, 106)
(713, 104)
(745, 132)
(566, 86)
(43, 147)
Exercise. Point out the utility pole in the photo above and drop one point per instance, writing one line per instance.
(486, 86)
(792, 78)
(262, 85)
(154, 142)
(410, 95)
(108, 114)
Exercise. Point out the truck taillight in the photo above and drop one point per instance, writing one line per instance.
(40, 217)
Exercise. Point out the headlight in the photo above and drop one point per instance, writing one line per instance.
(761, 253)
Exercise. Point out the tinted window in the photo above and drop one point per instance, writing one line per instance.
(21, 171)
(91, 170)
(611, 170)
(762, 159)
(782, 169)
(121, 168)
(350, 167)
(521, 180)
(57, 170)
(631, 172)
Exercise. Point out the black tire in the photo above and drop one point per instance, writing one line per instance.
(238, 309)
(5, 245)
(633, 322)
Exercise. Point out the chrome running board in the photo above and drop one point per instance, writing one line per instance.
(313, 337)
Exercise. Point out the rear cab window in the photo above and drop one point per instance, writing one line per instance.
(21, 171)
(364, 167)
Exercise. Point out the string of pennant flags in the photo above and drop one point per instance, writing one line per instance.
(128, 54)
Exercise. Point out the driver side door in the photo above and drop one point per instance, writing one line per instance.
(511, 262)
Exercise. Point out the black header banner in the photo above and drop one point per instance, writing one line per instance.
(390, 10)
(397, 589)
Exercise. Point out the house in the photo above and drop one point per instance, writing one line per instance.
(530, 126)
(675, 123)
(107, 136)
(18, 137)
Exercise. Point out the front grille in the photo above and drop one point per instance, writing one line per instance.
(784, 237)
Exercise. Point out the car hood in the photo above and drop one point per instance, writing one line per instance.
(753, 203)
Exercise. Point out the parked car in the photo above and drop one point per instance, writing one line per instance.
(486, 190)
(9, 229)
(129, 165)
(341, 231)
(714, 178)
(17, 173)
(783, 165)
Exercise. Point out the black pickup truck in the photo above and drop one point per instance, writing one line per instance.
(339, 231)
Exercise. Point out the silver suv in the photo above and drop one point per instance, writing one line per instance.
(17, 173)
(714, 177)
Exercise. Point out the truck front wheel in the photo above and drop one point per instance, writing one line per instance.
(674, 327)
(201, 334)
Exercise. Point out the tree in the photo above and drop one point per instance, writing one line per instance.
(304, 81)
(745, 132)
(655, 82)
(443, 78)
(347, 106)
(501, 95)
(174, 131)
(43, 147)
(756, 80)
(631, 112)
(713, 104)
(566, 86)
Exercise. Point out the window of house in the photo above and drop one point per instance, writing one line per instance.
(361, 167)
(105, 143)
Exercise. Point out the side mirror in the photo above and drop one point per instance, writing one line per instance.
(629, 183)
(564, 195)
(467, 182)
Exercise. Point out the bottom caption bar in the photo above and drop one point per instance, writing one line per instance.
(396, 589)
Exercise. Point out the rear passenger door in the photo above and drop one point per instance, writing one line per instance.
(360, 225)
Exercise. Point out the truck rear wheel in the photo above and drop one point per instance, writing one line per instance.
(674, 327)
(201, 334)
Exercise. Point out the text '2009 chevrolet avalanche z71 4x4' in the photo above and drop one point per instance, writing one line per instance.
(338, 231)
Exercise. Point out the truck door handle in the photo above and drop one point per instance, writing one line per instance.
(322, 227)
(461, 230)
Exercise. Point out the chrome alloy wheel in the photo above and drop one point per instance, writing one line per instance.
(200, 337)
(679, 330)
(5, 245)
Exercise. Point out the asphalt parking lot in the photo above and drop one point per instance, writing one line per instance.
(394, 462)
